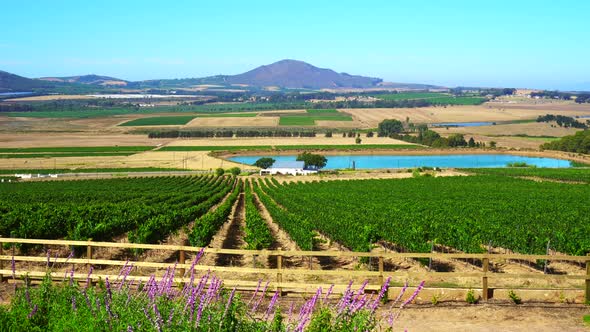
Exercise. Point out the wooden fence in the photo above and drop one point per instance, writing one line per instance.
(276, 275)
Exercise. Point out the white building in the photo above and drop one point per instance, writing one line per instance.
(288, 168)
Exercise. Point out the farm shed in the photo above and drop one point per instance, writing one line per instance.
(288, 168)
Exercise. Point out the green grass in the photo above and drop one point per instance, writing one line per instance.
(457, 100)
(293, 120)
(410, 95)
(293, 147)
(71, 149)
(89, 170)
(559, 174)
(160, 121)
(322, 111)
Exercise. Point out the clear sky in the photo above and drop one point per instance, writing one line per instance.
(518, 43)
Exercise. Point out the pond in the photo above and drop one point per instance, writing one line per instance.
(443, 161)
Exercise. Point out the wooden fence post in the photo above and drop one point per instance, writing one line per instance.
(380, 270)
(181, 260)
(484, 279)
(89, 254)
(280, 272)
(587, 293)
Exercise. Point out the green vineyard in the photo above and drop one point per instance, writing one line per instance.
(467, 213)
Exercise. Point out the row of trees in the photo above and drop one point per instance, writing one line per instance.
(579, 142)
(562, 121)
(229, 133)
(310, 160)
(583, 98)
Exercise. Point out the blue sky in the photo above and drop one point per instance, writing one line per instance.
(539, 44)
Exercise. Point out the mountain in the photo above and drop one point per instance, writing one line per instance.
(11, 82)
(88, 79)
(298, 74)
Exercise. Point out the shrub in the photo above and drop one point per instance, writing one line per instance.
(471, 298)
(219, 172)
(235, 171)
(515, 298)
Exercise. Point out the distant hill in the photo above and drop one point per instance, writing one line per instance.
(298, 74)
(88, 79)
(11, 82)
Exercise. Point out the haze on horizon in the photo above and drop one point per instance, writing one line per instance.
(536, 44)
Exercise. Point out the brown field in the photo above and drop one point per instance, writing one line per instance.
(370, 118)
(195, 160)
(531, 129)
(245, 141)
(32, 140)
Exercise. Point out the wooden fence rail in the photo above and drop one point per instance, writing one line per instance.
(280, 272)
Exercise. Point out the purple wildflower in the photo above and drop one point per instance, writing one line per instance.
(73, 303)
(255, 292)
(88, 276)
(381, 294)
(129, 328)
(33, 312)
(290, 314)
(261, 297)
(411, 298)
(272, 304)
(328, 294)
(170, 316)
(48, 257)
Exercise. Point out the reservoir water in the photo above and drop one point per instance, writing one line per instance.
(443, 161)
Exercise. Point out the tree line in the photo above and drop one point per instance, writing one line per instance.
(562, 121)
(579, 143)
(229, 133)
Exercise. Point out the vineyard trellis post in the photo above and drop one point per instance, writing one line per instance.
(89, 253)
(484, 279)
(181, 260)
(380, 270)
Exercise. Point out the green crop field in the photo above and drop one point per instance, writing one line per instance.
(559, 174)
(147, 208)
(294, 120)
(432, 97)
(159, 121)
(464, 213)
(410, 95)
(322, 111)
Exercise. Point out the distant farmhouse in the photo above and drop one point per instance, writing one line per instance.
(288, 168)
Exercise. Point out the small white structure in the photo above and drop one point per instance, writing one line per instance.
(288, 168)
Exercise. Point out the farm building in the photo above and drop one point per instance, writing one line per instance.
(288, 168)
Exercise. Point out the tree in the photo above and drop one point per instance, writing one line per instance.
(358, 140)
(370, 134)
(235, 171)
(219, 171)
(471, 143)
(328, 134)
(388, 127)
(264, 163)
(312, 160)
(493, 144)
(456, 140)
